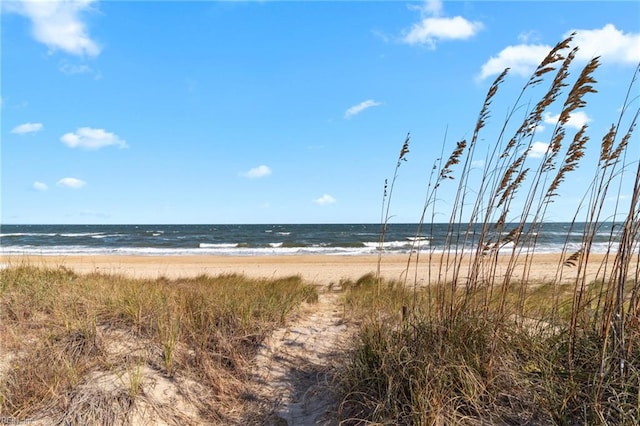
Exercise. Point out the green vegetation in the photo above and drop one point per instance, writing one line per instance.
(484, 342)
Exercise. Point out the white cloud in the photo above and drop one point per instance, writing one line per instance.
(382, 36)
(608, 42)
(522, 59)
(89, 138)
(429, 8)
(58, 24)
(357, 109)
(27, 128)
(258, 172)
(617, 198)
(71, 69)
(477, 164)
(39, 186)
(430, 30)
(576, 120)
(324, 200)
(70, 182)
(529, 37)
(538, 149)
(434, 27)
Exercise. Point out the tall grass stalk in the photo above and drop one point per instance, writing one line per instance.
(565, 350)
(386, 201)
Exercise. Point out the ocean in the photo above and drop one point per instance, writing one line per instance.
(258, 240)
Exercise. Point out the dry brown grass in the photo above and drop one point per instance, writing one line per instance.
(479, 367)
(104, 349)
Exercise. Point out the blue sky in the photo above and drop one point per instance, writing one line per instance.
(276, 112)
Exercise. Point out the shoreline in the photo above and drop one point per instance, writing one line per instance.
(317, 269)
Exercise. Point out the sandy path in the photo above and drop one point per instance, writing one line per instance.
(292, 373)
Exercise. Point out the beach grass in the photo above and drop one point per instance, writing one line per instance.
(482, 341)
(479, 367)
(97, 348)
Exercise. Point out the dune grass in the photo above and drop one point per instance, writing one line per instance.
(483, 342)
(477, 368)
(64, 336)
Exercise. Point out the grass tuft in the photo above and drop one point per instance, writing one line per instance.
(64, 330)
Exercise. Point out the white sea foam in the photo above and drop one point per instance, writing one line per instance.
(387, 244)
(79, 234)
(272, 249)
(421, 241)
(203, 249)
(28, 234)
(218, 245)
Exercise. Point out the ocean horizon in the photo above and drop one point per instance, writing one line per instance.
(279, 239)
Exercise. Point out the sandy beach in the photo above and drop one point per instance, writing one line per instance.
(318, 269)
